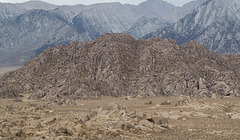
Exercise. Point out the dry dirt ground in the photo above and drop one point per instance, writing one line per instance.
(7, 69)
(179, 118)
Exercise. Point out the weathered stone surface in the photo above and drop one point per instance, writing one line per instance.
(117, 117)
(149, 103)
(119, 65)
(200, 114)
(235, 116)
(166, 103)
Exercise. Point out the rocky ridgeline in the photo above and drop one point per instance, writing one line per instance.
(214, 23)
(113, 122)
(119, 65)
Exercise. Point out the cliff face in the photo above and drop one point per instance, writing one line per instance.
(214, 24)
(119, 65)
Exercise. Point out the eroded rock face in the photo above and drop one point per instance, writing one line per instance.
(119, 65)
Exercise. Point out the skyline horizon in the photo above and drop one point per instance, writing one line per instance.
(90, 2)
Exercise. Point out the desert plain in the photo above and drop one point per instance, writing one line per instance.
(162, 118)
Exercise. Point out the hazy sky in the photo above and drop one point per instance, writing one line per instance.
(87, 2)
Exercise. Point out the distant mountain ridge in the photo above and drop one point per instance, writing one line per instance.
(27, 29)
(215, 24)
(146, 25)
(35, 4)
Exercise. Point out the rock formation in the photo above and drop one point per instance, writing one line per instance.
(119, 65)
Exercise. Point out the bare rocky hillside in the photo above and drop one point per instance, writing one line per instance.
(119, 65)
(27, 29)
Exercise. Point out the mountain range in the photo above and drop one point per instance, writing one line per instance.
(215, 24)
(27, 29)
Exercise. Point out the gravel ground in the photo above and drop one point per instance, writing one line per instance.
(188, 118)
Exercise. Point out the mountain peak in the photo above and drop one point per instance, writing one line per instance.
(37, 4)
(156, 3)
(214, 24)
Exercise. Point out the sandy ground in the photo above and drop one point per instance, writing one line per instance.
(189, 118)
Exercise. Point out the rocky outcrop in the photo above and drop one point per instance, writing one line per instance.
(118, 117)
(119, 65)
(112, 122)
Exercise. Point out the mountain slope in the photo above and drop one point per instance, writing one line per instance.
(156, 8)
(8, 11)
(69, 12)
(36, 4)
(33, 30)
(105, 18)
(146, 25)
(166, 11)
(119, 65)
(29, 28)
(214, 24)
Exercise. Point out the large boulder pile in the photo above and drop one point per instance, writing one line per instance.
(119, 65)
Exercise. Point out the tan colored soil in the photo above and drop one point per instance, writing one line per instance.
(188, 118)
